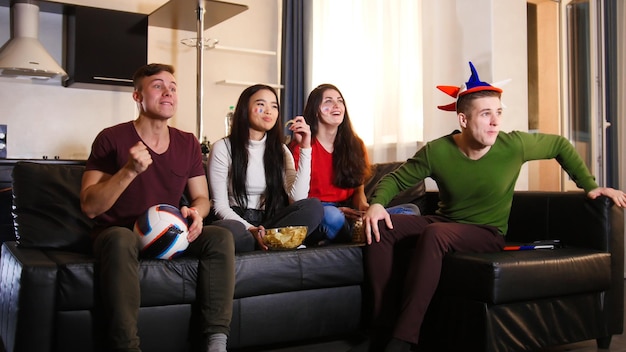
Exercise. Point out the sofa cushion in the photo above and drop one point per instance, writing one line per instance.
(46, 207)
(511, 276)
(271, 272)
(415, 194)
(6, 219)
(166, 282)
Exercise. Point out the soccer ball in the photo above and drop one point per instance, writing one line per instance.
(163, 232)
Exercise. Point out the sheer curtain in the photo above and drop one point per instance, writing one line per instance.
(371, 50)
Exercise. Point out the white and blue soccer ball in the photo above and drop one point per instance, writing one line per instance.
(163, 232)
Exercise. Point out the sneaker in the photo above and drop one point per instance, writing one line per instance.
(370, 344)
(397, 345)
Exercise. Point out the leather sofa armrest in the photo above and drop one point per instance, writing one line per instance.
(578, 222)
(575, 220)
(567, 216)
(27, 298)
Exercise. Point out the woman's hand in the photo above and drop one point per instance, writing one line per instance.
(301, 131)
(258, 233)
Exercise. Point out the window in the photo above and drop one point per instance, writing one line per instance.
(371, 50)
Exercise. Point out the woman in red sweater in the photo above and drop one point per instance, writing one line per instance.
(339, 166)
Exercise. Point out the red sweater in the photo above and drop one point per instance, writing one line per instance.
(322, 174)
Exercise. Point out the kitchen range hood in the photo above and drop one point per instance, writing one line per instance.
(23, 55)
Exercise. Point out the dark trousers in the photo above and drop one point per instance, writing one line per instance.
(305, 212)
(117, 253)
(434, 237)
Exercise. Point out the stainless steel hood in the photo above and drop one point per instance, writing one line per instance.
(23, 55)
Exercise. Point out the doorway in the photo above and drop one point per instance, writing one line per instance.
(544, 97)
(573, 85)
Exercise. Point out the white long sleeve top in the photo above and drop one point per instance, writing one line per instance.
(219, 170)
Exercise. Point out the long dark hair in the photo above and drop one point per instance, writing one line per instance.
(275, 196)
(349, 157)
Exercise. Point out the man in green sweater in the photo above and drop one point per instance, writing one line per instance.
(475, 170)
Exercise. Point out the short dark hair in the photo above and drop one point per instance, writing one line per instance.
(149, 70)
(463, 104)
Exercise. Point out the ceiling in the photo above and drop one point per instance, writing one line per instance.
(139, 6)
(179, 14)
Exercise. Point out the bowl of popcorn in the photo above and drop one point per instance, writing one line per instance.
(285, 238)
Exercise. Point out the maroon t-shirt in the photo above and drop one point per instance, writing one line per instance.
(163, 182)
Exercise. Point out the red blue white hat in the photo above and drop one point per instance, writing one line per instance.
(474, 84)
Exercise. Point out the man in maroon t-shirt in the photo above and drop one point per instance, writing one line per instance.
(138, 164)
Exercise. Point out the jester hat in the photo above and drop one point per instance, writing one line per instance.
(474, 84)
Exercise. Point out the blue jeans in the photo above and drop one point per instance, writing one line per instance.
(404, 209)
(334, 219)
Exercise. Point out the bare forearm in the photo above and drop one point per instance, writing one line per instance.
(99, 197)
(359, 200)
(202, 205)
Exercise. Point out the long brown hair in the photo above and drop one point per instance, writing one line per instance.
(350, 162)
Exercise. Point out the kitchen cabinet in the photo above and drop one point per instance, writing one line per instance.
(104, 47)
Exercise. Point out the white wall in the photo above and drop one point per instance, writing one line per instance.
(48, 119)
(256, 28)
(53, 120)
(491, 34)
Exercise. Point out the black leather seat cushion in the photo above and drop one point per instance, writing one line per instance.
(511, 276)
(261, 273)
(257, 273)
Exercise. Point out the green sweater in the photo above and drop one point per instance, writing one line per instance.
(481, 191)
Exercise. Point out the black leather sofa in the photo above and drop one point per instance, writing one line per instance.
(48, 298)
(527, 300)
(506, 301)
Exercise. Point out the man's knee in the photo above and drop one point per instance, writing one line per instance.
(218, 238)
(117, 240)
(437, 236)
